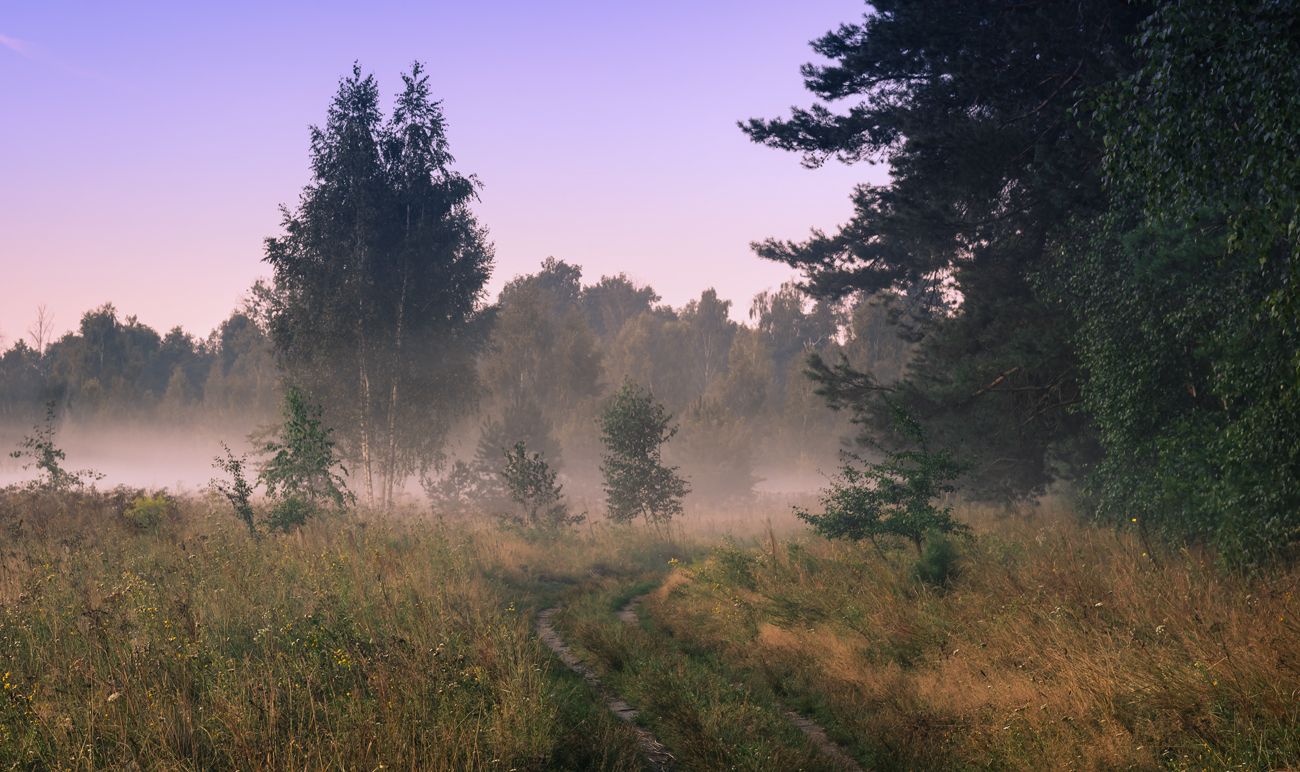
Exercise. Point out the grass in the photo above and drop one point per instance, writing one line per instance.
(708, 719)
(400, 641)
(1058, 646)
(350, 644)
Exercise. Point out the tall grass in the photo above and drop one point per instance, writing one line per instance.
(1059, 645)
(356, 644)
(399, 641)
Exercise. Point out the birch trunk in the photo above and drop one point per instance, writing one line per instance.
(390, 471)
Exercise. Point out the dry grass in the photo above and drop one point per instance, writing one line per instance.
(351, 644)
(406, 642)
(1060, 646)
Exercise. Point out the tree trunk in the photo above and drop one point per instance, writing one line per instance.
(364, 376)
(390, 463)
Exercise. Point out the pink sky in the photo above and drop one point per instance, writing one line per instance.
(145, 147)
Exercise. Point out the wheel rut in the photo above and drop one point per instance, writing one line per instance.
(655, 753)
(811, 729)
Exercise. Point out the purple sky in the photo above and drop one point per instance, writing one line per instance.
(145, 146)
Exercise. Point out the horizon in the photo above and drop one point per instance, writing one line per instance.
(115, 211)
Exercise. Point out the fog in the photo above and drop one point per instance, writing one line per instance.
(133, 454)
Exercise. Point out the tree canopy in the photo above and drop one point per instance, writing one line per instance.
(378, 280)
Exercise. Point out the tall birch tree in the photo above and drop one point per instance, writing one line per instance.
(379, 279)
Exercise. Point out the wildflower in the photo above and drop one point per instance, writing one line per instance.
(674, 562)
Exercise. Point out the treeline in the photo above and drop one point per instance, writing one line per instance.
(552, 350)
(1096, 208)
(558, 348)
(111, 368)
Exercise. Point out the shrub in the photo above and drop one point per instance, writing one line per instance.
(289, 513)
(939, 561)
(532, 486)
(304, 462)
(146, 513)
(47, 458)
(238, 491)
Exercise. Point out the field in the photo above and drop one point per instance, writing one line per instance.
(404, 641)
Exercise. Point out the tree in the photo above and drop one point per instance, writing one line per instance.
(650, 349)
(302, 462)
(41, 329)
(1183, 292)
(242, 380)
(612, 301)
(23, 383)
(718, 448)
(970, 104)
(709, 332)
(541, 350)
(532, 486)
(378, 279)
(893, 498)
(634, 428)
(521, 421)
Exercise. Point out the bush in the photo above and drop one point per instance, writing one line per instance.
(634, 428)
(146, 513)
(532, 486)
(939, 561)
(38, 451)
(303, 460)
(237, 490)
(289, 513)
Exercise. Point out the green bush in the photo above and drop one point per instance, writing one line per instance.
(939, 561)
(289, 513)
(146, 513)
(532, 486)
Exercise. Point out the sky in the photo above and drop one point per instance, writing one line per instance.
(146, 147)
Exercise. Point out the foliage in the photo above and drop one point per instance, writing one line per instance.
(521, 419)
(634, 428)
(291, 512)
(1183, 292)
(148, 512)
(938, 564)
(892, 498)
(531, 483)
(303, 463)
(1188, 387)
(969, 104)
(1211, 119)
(38, 450)
(541, 351)
(378, 277)
(718, 447)
(114, 367)
(237, 490)
(456, 491)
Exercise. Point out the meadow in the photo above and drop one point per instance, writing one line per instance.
(402, 640)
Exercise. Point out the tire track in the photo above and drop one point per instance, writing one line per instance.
(811, 729)
(655, 753)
